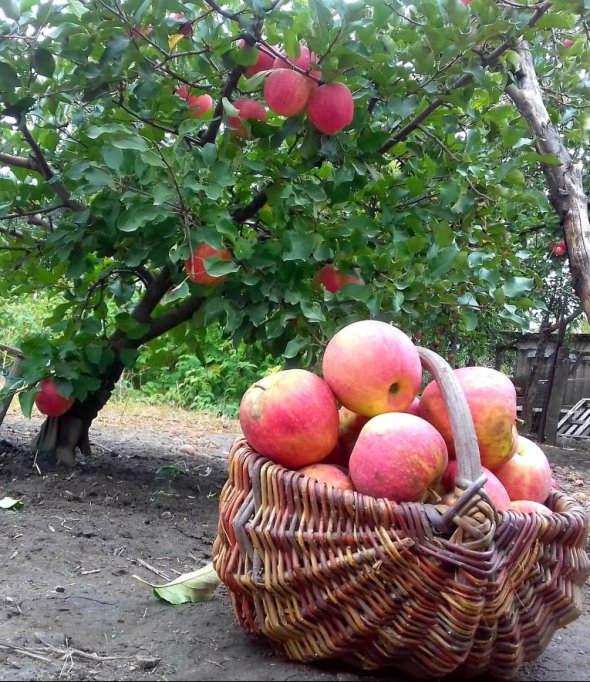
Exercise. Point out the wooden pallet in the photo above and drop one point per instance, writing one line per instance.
(576, 423)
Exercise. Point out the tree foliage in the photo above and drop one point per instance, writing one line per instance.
(431, 195)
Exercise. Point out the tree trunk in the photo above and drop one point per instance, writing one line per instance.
(63, 436)
(566, 191)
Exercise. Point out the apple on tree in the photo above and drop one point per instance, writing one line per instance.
(333, 280)
(372, 367)
(49, 400)
(199, 104)
(195, 264)
(398, 456)
(264, 62)
(568, 42)
(249, 110)
(286, 92)
(330, 108)
(291, 417)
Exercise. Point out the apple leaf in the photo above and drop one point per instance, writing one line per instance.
(188, 588)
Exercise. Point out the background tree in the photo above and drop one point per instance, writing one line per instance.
(113, 176)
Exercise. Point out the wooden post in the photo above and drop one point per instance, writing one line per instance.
(556, 397)
(11, 379)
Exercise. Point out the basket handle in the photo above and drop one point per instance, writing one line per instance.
(466, 445)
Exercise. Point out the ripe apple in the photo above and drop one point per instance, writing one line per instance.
(372, 367)
(554, 483)
(559, 249)
(526, 475)
(195, 266)
(304, 61)
(414, 407)
(199, 104)
(183, 91)
(50, 402)
(333, 279)
(291, 417)
(337, 456)
(466, 2)
(330, 474)
(568, 42)
(398, 456)
(491, 397)
(529, 507)
(493, 487)
(350, 425)
(249, 109)
(264, 62)
(330, 107)
(286, 92)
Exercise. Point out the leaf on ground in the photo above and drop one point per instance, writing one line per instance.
(189, 587)
(10, 503)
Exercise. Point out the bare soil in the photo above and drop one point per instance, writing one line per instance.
(146, 501)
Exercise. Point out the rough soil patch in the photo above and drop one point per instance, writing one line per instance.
(69, 608)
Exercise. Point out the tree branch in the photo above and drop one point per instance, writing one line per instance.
(18, 162)
(220, 10)
(228, 88)
(172, 318)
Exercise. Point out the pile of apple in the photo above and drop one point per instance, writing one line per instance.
(363, 427)
(292, 85)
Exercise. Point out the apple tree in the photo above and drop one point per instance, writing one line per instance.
(167, 165)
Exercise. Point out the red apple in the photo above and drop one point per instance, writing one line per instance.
(526, 475)
(264, 62)
(466, 2)
(398, 456)
(559, 249)
(414, 407)
(337, 456)
(304, 61)
(491, 397)
(554, 483)
(249, 109)
(493, 487)
(350, 425)
(291, 417)
(529, 507)
(331, 474)
(372, 367)
(199, 104)
(286, 92)
(183, 92)
(50, 402)
(330, 107)
(195, 266)
(333, 279)
(568, 42)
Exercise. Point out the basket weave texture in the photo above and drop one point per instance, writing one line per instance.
(429, 590)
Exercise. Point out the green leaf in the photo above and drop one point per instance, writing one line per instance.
(8, 77)
(43, 62)
(295, 346)
(299, 247)
(26, 400)
(517, 286)
(216, 267)
(188, 588)
(10, 503)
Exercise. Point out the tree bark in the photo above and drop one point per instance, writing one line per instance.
(564, 181)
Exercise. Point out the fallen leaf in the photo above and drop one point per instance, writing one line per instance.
(10, 503)
(189, 587)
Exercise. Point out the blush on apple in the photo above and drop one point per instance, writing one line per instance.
(330, 474)
(50, 402)
(529, 507)
(195, 266)
(372, 367)
(493, 487)
(330, 107)
(491, 398)
(249, 110)
(199, 104)
(333, 279)
(526, 475)
(291, 417)
(398, 456)
(286, 92)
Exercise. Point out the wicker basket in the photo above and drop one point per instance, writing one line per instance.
(429, 590)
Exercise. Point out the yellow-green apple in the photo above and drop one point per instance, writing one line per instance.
(199, 104)
(249, 109)
(493, 487)
(49, 400)
(291, 417)
(491, 397)
(286, 92)
(330, 107)
(333, 279)
(398, 456)
(195, 264)
(529, 507)
(330, 474)
(527, 474)
(264, 62)
(372, 367)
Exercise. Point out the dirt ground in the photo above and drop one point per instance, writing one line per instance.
(69, 607)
